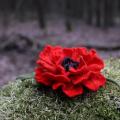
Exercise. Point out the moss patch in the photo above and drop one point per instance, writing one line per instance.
(22, 100)
(112, 69)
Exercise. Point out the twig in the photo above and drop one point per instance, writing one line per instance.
(113, 81)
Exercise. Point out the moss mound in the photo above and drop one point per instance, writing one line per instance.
(24, 100)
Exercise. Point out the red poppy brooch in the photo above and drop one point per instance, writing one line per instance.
(70, 69)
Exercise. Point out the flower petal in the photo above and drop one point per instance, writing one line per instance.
(48, 67)
(72, 91)
(93, 58)
(68, 52)
(56, 78)
(40, 79)
(95, 81)
(79, 79)
(57, 85)
(95, 67)
(81, 71)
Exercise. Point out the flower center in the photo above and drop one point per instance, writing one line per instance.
(68, 62)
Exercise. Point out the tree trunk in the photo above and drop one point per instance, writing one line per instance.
(68, 15)
(108, 13)
(98, 13)
(40, 5)
(89, 15)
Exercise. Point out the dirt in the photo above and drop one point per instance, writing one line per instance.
(13, 64)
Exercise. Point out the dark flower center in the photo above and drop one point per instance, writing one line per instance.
(68, 62)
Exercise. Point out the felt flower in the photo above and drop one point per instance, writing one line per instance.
(70, 69)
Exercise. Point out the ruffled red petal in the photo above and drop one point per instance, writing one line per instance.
(56, 78)
(68, 52)
(57, 85)
(40, 78)
(95, 67)
(52, 54)
(94, 81)
(72, 91)
(79, 79)
(93, 59)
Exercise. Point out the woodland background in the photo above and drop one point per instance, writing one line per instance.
(27, 25)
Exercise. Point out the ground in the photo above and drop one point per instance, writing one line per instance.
(24, 99)
(14, 62)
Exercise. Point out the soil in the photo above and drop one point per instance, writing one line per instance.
(14, 62)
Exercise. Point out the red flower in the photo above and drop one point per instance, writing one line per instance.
(71, 69)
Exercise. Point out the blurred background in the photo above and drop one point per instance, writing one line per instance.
(27, 25)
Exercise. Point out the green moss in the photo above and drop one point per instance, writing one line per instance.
(112, 69)
(21, 100)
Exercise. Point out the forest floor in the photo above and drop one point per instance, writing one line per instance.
(13, 63)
